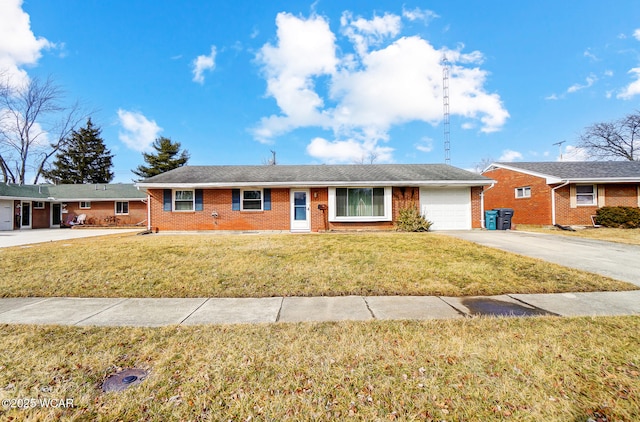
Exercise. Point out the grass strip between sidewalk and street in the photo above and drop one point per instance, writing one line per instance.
(262, 265)
(543, 368)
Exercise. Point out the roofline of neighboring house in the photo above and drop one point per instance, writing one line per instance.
(74, 199)
(432, 183)
(553, 180)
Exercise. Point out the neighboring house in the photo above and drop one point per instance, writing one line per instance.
(305, 198)
(45, 206)
(565, 193)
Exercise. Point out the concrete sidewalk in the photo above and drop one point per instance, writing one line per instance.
(147, 312)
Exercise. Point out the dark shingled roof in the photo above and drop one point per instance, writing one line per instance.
(97, 192)
(569, 170)
(314, 174)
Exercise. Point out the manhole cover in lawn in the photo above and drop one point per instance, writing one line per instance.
(493, 307)
(124, 379)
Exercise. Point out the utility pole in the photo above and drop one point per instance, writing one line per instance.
(560, 147)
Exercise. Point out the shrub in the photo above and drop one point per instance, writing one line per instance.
(619, 217)
(410, 220)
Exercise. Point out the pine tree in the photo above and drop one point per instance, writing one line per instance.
(167, 157)
(84, 158)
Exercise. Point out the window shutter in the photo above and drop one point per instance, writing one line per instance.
(601, 196)
(573, 201)
(199, 205)
(267, 199)
(166, 205)
(235, 199)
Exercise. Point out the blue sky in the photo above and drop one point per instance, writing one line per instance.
(333, 81)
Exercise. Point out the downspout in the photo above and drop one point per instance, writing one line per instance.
(148, 212)
(553, 201)
(482, 222)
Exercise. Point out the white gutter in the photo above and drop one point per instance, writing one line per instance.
(321, 184)
(553, 201)
(482, 222)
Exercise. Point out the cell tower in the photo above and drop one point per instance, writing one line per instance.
(445, 102)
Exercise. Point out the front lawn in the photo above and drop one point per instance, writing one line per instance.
(127, 265)
(520, 369)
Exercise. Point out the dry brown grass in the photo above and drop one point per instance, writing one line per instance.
(543, 369)
(281, 265)
(629, 236)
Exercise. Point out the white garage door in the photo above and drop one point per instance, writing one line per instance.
(447, 208)
(6, 215)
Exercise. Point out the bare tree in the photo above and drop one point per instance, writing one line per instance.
(367, 158)
(482, 165)
(615, 140)
(34, 124)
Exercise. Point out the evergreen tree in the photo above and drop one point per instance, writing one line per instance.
(83, 158)
(167, 157)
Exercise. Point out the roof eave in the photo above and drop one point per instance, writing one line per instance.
(320, 184)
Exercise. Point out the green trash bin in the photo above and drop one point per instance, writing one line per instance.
(490, 219)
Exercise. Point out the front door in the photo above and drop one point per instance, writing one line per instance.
(25, 212)
(56, 215)
(300, 215)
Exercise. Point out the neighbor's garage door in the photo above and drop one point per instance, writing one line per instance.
(447, 208)
(6, 215)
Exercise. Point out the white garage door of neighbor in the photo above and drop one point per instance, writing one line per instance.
(6, 215)
(447, 208)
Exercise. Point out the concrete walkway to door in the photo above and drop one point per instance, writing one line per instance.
(615, 260)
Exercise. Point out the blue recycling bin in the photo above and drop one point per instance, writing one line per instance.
(490, 219)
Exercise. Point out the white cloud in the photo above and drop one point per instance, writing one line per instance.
(633, 88)
(590, 55)
(572, 153)
(425, 145)
(18, 44)
(589, 81)
(419, 14)
(204, 63)
(138, 132)
(364, 33)
(391, 80)
(510, 155)
(349, 151)
(636, 34)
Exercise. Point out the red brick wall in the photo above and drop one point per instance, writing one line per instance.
(102, 213)
(625, 195)
(534, 210)
(41, 218)
(615, 195)
(476, 211)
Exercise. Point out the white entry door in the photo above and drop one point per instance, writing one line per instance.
(300, 215)
(6, 215)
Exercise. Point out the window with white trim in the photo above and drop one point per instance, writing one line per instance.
(360, 204)
(523, 192)
(586, 195)
(184, 200)
(38, 205)
(251, 200)
(85, 205)
(122, 207)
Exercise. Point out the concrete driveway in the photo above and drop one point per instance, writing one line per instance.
(615, 260)
(28, 237)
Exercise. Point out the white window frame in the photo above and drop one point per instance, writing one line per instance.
(193, 200)
(388, 206)
(523, 192)
(116, 207)
(38, 205)
(242, 200)
(85, 205)
(593, 194)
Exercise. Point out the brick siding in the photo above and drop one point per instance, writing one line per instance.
(536, 210)
(103, 213)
